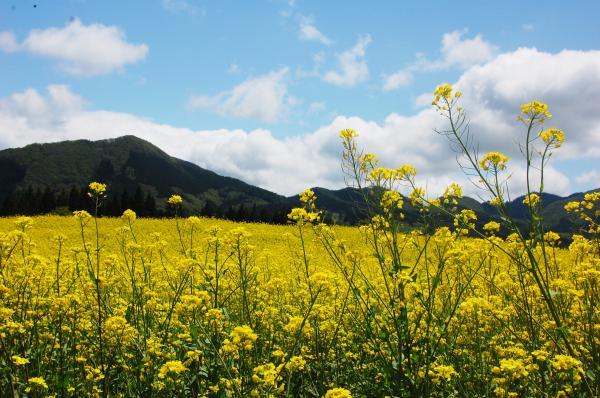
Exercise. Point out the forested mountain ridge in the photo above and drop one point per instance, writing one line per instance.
(42, 178)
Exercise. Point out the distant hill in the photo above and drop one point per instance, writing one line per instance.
(45, 177)
(127, 164)
(345, 205)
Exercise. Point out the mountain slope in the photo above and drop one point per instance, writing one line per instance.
(124, 163)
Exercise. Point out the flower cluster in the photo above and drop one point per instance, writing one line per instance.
(494, 160)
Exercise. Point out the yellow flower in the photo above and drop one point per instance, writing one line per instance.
(348, 134)
(464, 220)
(453, 190)
(491, 227)
(380, 174)
(442, 373)
(443, 91)
(367, 160)
(301, 216)
(308, 196)
(535, 110)
(267, 375)
(405, 172)
(118, 332)
(532, 200)
(19, 361)
(193, 220)
(512, 368)
(495, 160)
(417, 196)
(391, 199)
(82, 215)
(129, 215)
(296, 363)
(553, 136)
(171, 368)
(175, 200)
(97, 189)
(38, 382)
(565, 363)
(497, 201)
(338, 393)
(540, 355)
(552, 238)
(572, 207)
(445, 98)
(243, 336)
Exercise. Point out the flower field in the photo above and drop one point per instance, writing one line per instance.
(250, 310)
(206, 308)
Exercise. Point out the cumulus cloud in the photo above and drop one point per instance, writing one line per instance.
(463, 52)
(264, 98)
(81, 50)
(454, 52)
(353, 68)
(308, 31)
(8, 42)
(496, 89)
(492, 95)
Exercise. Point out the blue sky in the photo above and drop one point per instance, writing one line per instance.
(279, 73)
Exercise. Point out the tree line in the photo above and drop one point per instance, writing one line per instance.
(37, 201)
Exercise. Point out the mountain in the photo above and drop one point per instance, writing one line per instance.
(39, 178)
(125, 164)
(346, 206)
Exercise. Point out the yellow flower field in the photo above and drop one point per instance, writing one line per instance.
(241, 312)
(208, 308)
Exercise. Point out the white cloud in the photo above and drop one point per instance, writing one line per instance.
(396, 80)
(497, 88)
(353, 68)
(589, 178)
(315, 71)
(308, 31)
(288, 9)
(317, 107)
(183, 6)
(454, 52)
(493, 93)
(234, 69)
(463, 52)
(264, 98)
(424, 99)
(8, 42)
(82, 50)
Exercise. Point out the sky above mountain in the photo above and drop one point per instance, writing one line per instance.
(259, 90)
